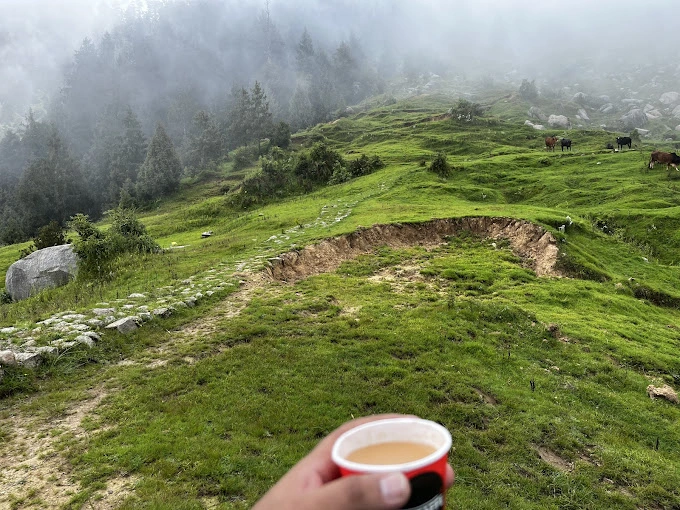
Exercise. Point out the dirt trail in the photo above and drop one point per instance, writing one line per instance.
(34, 474)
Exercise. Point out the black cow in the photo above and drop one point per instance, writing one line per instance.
(624, 140)
(610, 146)
(565, 142)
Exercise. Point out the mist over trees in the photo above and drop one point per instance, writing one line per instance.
(190, 80)
(165, 93)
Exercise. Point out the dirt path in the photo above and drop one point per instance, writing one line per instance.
(33, 474)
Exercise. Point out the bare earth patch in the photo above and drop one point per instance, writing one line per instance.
(33, 470)
(534, 245)
(553, 459)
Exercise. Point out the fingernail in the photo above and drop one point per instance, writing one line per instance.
(394, 488)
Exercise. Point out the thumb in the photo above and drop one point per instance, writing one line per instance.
(384, 491)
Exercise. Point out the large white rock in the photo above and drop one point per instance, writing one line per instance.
(559, 121)
(43, 269)
(633, 119)
(669, 98)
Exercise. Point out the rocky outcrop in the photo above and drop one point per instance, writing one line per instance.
(633, 119)
(536, 113)
(559, 121)
(669, 98)
(43, 269)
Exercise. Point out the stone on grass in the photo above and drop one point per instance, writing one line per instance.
(162, 312)
(664, 391)
(8, 358)
(125, 325)
(99, 312)
(84, 339)
(29, 359)
(47, 350)
(43, 269)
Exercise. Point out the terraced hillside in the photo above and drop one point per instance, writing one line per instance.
(414, 294)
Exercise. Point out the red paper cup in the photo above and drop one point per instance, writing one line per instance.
(426, 474)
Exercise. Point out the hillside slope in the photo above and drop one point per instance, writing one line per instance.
(542, 380)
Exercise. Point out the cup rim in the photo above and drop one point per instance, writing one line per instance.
(389, 468)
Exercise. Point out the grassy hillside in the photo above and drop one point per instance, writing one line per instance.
(541, 381)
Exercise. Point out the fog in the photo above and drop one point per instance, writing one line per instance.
(550, 41)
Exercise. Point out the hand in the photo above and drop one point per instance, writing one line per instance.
(314, 482)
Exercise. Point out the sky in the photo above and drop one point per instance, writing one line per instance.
(39, 37)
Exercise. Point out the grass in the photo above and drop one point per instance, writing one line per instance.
(463, 334)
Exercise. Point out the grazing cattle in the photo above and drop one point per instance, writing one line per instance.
(624, 140)
(610, 146)
(670, 159)
(550, 142)
(565, 142)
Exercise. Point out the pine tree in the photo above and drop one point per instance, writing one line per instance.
(205, 144)
(130, 153)
(260, 114)
(304, 55)
(160, 174)
(53, 188)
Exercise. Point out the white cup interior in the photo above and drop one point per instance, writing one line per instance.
(411, 430)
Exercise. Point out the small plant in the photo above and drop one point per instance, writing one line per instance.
(440, 166)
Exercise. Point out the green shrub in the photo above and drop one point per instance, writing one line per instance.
(244, 157)
(365, 165)
(51, 234)
(98, 250)
(440, 166)
(466, 110)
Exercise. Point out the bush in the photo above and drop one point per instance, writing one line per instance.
(98, 250)
(466, 110)
(323, 162)
(51, 234)
(340, 174)
(243, 157)
(528, 90)
(440, 166)
(365, 165)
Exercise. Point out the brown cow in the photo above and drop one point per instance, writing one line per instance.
(550, 143)
(671, 159)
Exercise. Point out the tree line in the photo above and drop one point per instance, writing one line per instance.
(167, 93)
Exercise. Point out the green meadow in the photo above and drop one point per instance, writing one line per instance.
(542, 381)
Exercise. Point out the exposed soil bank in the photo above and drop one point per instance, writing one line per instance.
(533, 244)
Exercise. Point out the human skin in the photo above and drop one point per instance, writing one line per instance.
(315, 483)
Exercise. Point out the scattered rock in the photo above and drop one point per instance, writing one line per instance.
(669, 98)
(84, 339)
(664, 391)
(162, 312)
(29, 359)
(100, 312)
(8, 358)
(125, 325)
(633, 119)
